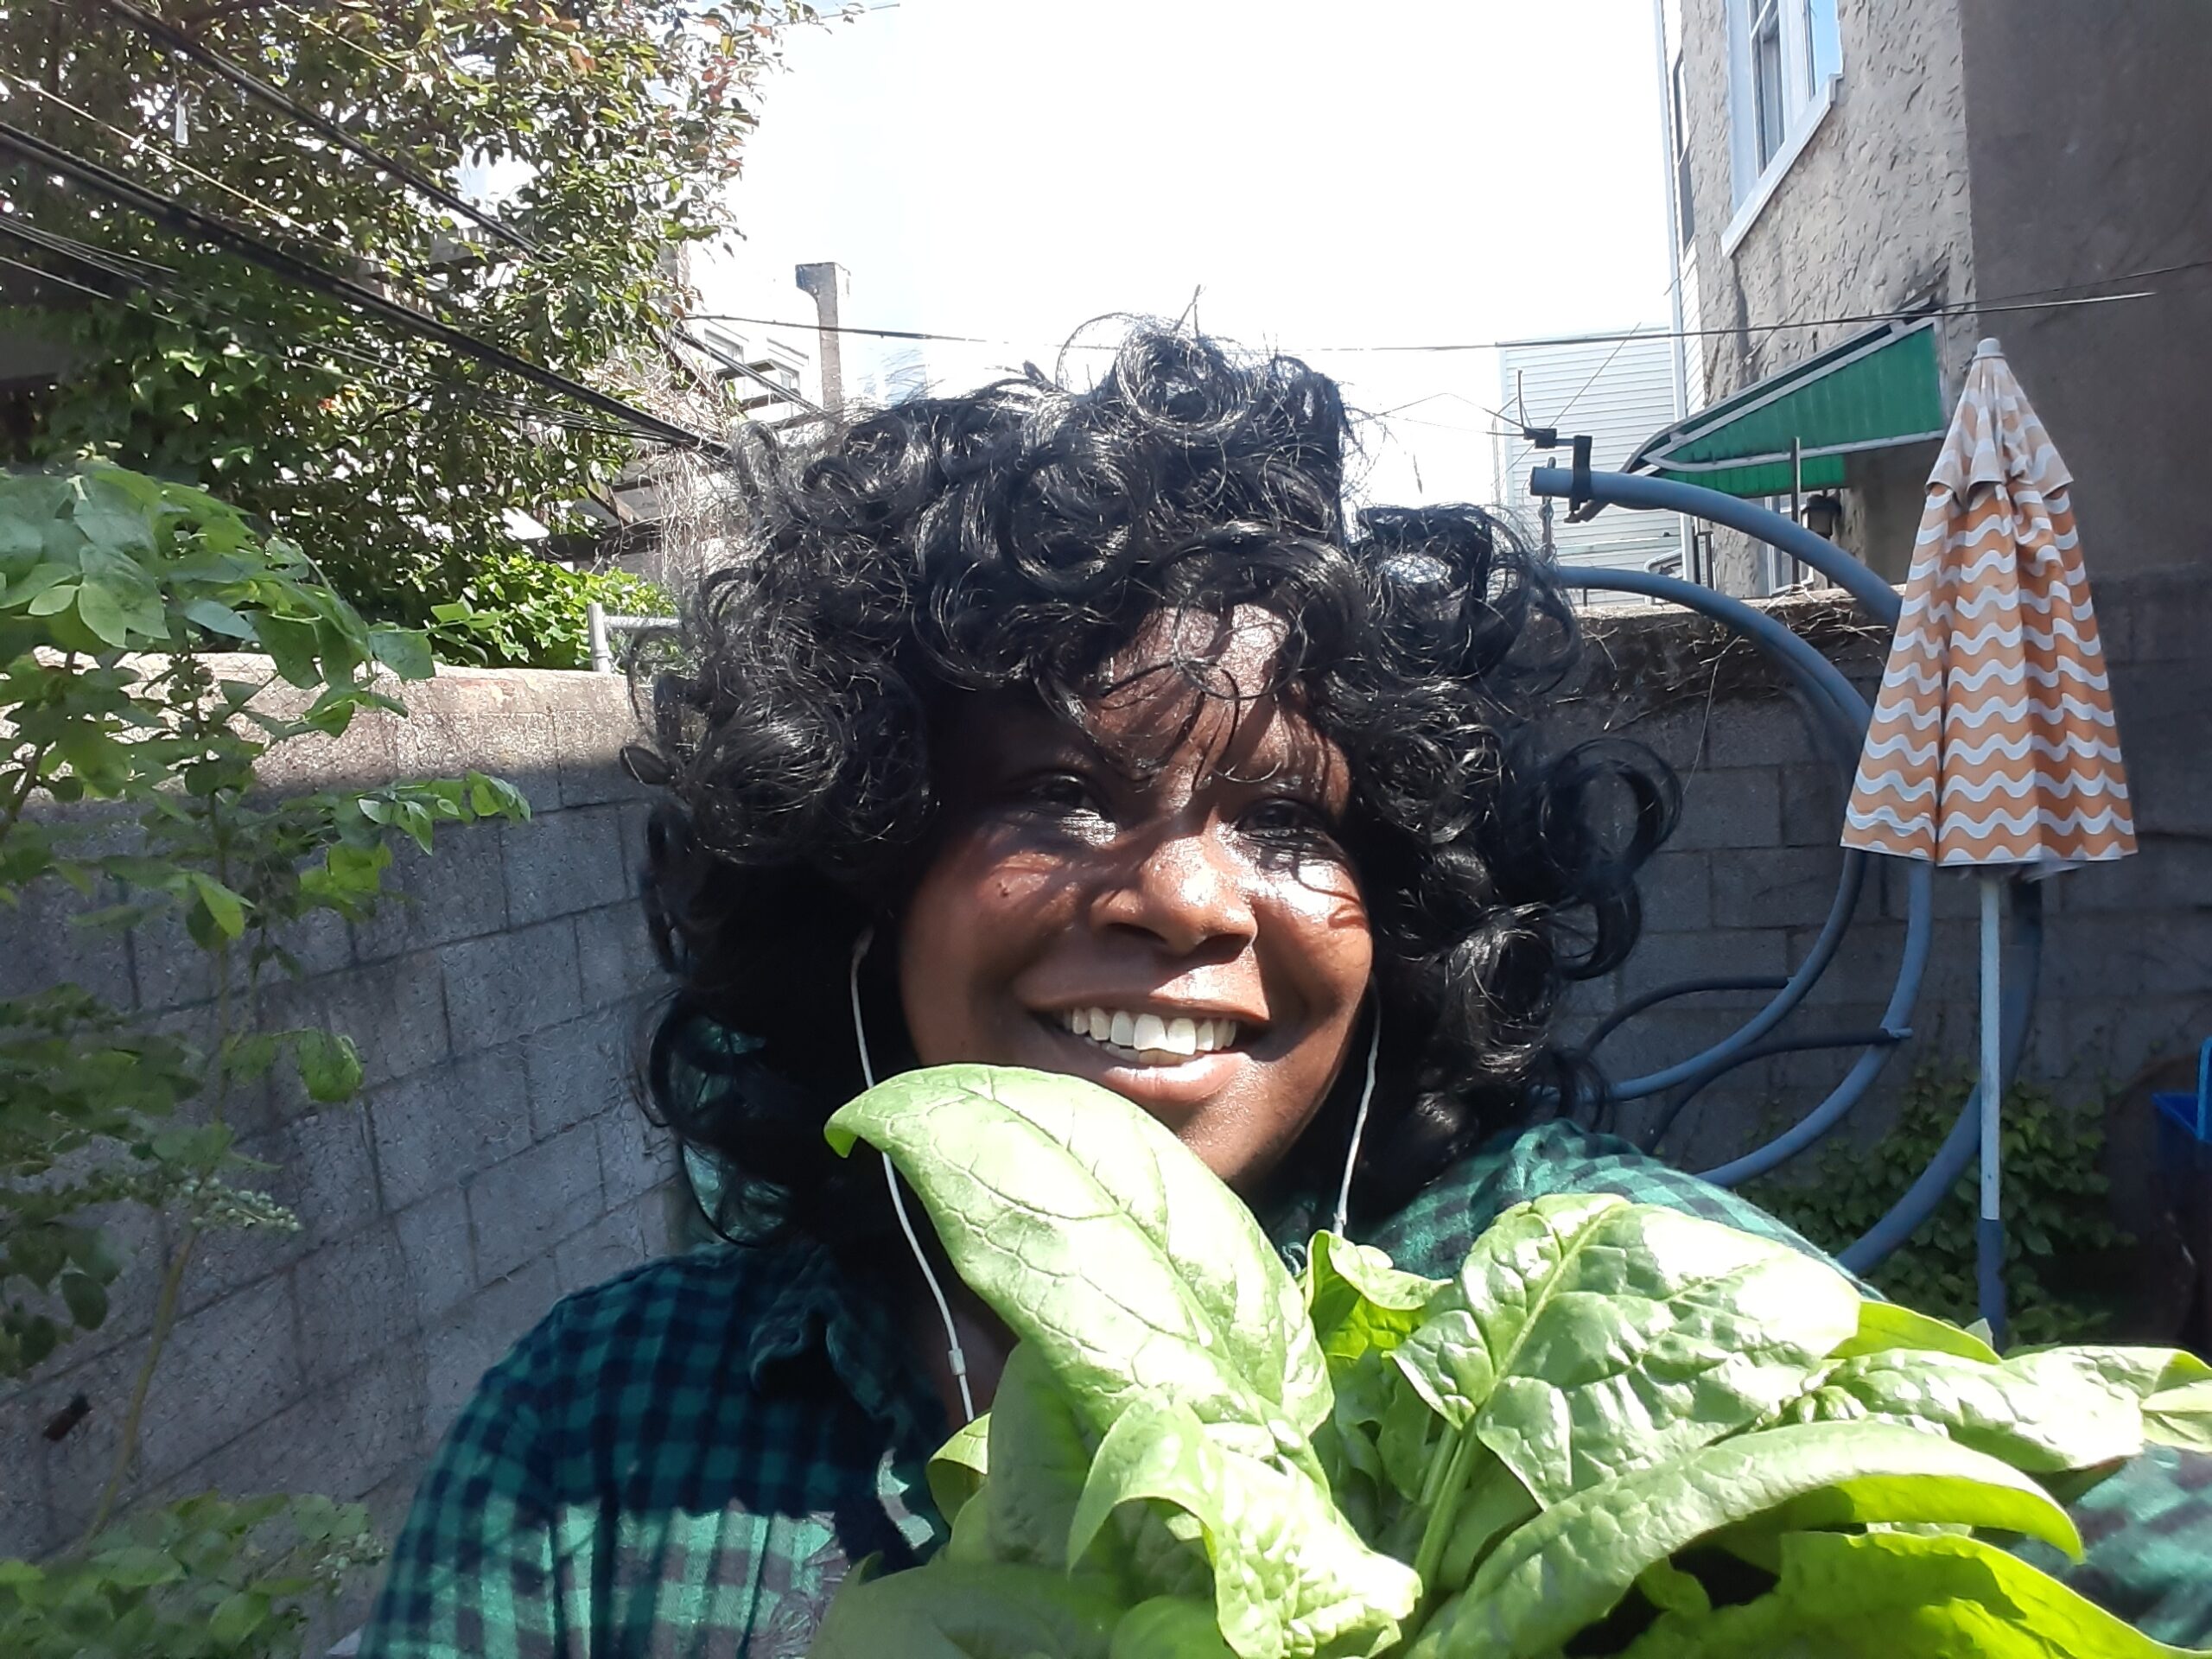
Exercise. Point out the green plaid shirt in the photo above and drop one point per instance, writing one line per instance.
(685, 1460)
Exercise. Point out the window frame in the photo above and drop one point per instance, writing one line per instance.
(1777, 98)
(1685, 194)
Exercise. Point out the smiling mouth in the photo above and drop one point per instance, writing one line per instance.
(1149, 1040)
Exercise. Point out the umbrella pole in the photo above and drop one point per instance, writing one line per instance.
(1989, 1229)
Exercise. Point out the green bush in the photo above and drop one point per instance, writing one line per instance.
(520, 611)
(2058, 1224)
(117, 591)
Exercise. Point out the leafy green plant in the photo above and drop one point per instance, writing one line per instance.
(1617, 1429)
(520, 611)
(610, 133)
(129, 749)
(2058, 1226)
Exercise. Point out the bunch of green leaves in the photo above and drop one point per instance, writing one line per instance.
(1617, 1429)
(2059, 1231)
(521, 612)
(206, 1579)
(619, 125)
(154, 650)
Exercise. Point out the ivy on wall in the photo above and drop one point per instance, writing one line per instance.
(2058, 1223)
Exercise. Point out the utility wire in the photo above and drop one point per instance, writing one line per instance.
(190, 221)
(322, 28)
(384, 376)
(1560, 419)
(126, 267)
(177, 41)
(138, 141)
(45, 276)
(2009, 302)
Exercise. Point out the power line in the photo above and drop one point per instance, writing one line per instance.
(308, 274)
(54, 276)
(381, 371)
(138, 141)
(1992, 308)
(126, 267)
(1560, 419)
(190, 221)
(177, 41)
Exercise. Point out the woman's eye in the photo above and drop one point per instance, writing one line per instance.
(1287, 818)
(1058, 792)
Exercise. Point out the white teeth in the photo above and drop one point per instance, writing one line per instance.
(1180, 1037)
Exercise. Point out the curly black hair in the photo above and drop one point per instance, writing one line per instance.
(1016, 537)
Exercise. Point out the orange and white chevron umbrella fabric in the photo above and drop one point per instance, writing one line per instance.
(1992, 741)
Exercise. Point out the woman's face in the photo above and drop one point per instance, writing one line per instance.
(1166, 913)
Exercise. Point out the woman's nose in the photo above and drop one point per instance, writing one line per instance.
(1186, 890)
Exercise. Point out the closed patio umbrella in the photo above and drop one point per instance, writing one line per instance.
(1992, 745)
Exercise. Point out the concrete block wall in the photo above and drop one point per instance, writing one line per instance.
(495, 1160)
(1743, 885)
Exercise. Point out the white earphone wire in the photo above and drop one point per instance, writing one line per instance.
(1359, 1121)
(955, 1356)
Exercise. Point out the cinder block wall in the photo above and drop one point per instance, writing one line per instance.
(1742, 887)
(495, 1160)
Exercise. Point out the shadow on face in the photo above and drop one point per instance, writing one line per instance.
(1156, 898)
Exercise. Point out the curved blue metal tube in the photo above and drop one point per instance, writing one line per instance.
(1957, 1153)
(1794, 990)
(1846, 716)
(1628, 1011)
(1912, 963)
(1635, 490)
(1862, 1040)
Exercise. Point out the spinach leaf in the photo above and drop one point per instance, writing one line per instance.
(1040, 1456)
(2041, 1418)
(1359, 1304)
(2172, 1386)
(958, 1469)
(1880, 1594)
(1885, 1325)
(1170, 1627)
(1586, 1338)
(1291, 1578)
(1573, 1563)
(952, 1610)
(2180, 1416)
(1097, 1237)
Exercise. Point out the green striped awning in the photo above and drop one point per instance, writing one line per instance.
(1871, 392)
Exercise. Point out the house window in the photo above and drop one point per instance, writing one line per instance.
(1767, 86)
(1784, 54)
(1686, 214)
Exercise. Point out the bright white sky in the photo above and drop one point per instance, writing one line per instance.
(1402, 171)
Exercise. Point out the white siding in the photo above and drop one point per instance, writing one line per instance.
(1620, 393)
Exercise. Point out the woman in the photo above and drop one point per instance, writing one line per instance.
(1079, 732)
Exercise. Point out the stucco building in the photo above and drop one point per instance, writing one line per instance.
(1837, 163)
